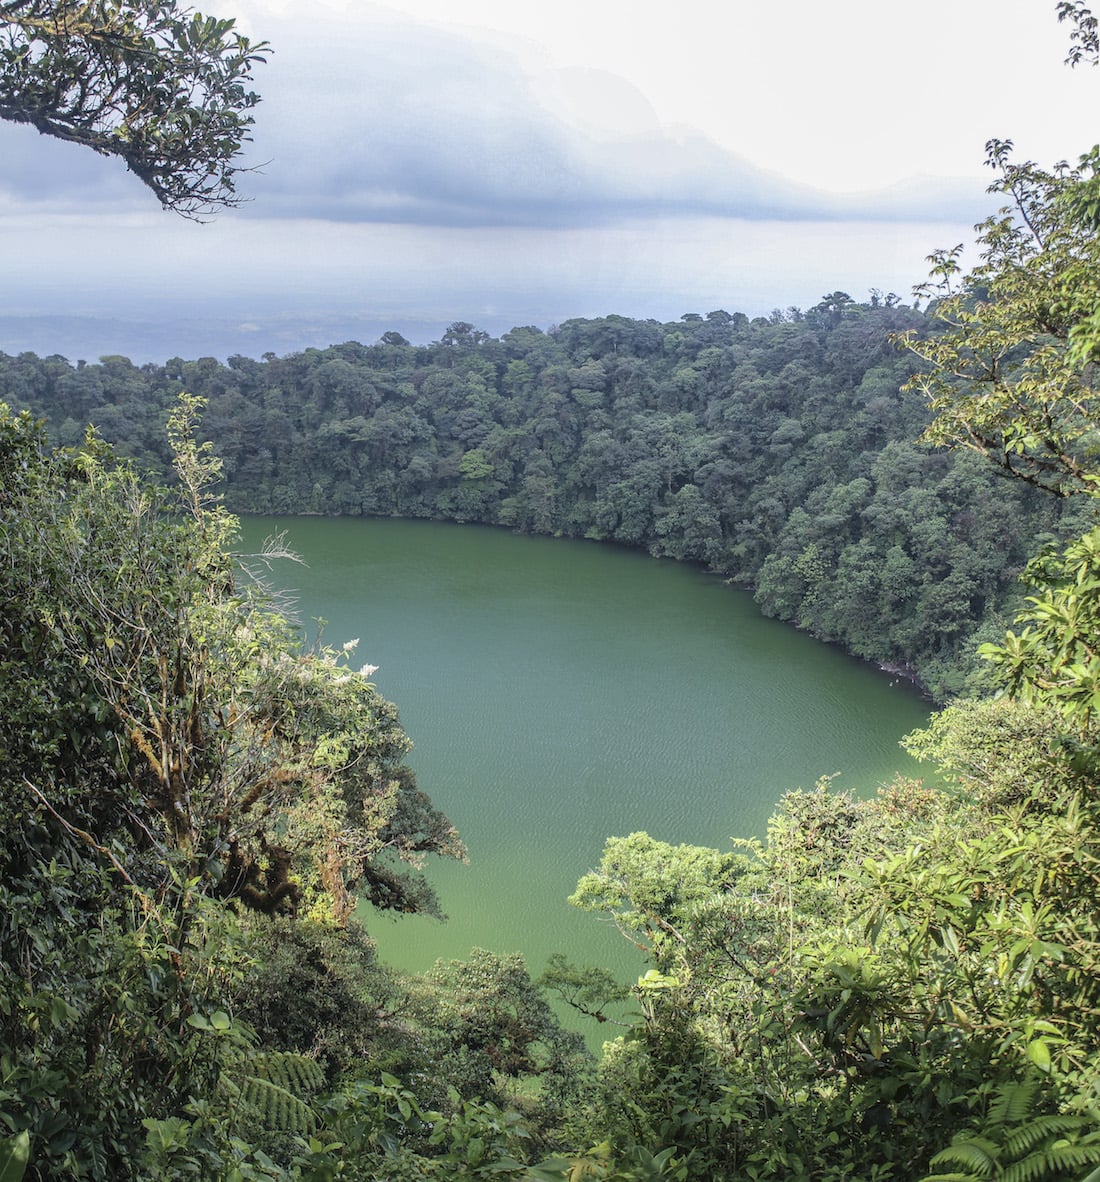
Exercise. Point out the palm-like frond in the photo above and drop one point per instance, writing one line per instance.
(1015, 1145)
(269, 1086)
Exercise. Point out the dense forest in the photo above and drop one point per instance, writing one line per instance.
(201, 815)
(781, 452)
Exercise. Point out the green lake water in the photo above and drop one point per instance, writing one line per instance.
(560, 692)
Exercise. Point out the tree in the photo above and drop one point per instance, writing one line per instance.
(1013, 377)
(1084, 39)
(1055, 658)
(156, 84)
(1002, 378)
(171, 758)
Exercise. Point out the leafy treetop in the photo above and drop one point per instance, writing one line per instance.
(1002, 378)
(1084, 39)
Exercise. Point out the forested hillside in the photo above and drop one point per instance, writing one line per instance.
(781, 453)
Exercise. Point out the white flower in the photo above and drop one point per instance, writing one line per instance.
(369, 670)
(351, 645)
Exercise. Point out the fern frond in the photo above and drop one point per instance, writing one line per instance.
(268, 1087)
(1014, 1101)
(1039, 1129)
(296, 1073)
(276, 1108)
(976, 1154)
(1031, 1169)
(1055, 1164)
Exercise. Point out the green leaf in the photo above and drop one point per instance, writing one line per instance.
(15, 1156)
(1039, 1053)
(550, 1169)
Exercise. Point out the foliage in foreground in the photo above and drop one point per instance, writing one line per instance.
(173, 761)
(157, 85)
(838, 1001)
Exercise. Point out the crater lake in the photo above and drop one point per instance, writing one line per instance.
(560, 692)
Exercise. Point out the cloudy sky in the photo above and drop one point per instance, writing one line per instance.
(510, 162)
